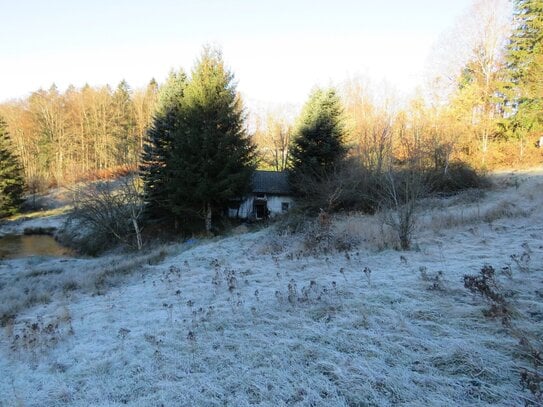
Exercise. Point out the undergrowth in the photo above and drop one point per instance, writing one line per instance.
(485, 284)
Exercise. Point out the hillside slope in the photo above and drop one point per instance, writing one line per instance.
(273, 319)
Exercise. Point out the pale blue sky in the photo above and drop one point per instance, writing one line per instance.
(278, 50)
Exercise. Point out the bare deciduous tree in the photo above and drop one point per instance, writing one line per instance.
(468, 65)
(273, 138)
(109, 210)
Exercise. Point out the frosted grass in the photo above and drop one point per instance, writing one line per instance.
(219, 325)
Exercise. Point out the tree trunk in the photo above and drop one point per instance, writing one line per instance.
(484, 146)
(209, 216)
(138, 233)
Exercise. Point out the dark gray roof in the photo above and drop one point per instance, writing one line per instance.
(270, 182)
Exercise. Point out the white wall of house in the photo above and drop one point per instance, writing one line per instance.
(245, 208)
(274, 203)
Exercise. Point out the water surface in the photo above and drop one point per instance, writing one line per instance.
(17, 246)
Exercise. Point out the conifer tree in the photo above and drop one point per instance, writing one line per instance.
(213, 157)
(11, 177)
(156, 159)
(199, 155)
(524, 89)
(318, 142)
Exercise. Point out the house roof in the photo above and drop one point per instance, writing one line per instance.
(270, 182)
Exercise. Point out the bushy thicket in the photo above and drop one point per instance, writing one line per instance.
(455, 178)
(395, 192)
(348, 186)
(105, 215)
(352, 186)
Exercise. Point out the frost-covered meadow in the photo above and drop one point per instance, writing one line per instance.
(334, 318)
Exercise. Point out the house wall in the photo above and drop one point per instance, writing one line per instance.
(274, 203)
(245, 208)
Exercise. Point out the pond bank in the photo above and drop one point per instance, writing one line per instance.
(32, 234)
(44, 223)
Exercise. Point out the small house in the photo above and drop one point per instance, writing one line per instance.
(270, 196)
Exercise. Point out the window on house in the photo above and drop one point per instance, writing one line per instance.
(284, 206)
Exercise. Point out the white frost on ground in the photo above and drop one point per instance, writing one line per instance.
(253, 320)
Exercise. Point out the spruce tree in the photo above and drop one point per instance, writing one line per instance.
(198, 156)
(318, 142)
(156, 161)
(213, 157)
(11, 176)
(524, 88)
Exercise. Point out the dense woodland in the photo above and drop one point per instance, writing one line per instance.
(482, 105)
(61, 137)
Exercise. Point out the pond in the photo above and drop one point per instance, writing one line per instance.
(17, 246)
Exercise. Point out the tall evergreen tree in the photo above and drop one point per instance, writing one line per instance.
(156, 161)
(11, 176)
(171, 93)
(199, 155)
(213, 157)
(524, 89)
(318, 142)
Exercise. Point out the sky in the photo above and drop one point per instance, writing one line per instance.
(278, 50)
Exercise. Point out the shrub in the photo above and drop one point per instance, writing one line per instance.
(353, 186)
(400, 194)
(349, 186)
(532, 380)
(104, 213)
(485, 285)
(454, 178)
